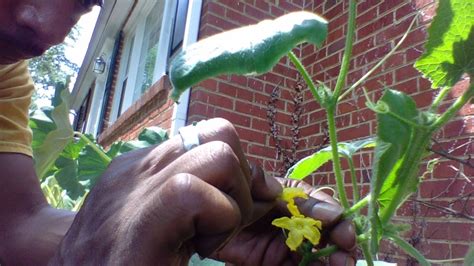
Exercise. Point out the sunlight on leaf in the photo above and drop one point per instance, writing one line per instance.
(450, 47)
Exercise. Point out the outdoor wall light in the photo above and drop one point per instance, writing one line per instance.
(99, 65)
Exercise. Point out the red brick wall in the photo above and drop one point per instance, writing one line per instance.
(153, 108)
(243, 100)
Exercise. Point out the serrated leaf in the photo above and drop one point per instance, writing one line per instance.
(53, 143)
(309, 164)
(248, 50)
(449, 51)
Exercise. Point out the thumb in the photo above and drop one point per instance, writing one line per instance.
(264, 191)
(263, 187)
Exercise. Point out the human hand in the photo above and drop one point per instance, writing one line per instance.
(263, 244)
(158, 206)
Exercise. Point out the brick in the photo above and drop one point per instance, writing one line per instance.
(263, 5)
(373, 55)
(240, 18)
(424, 98)
(364, 5)
(244, 94)
(409, 86)
(336, 46)
(406, 72)
(227, 89)
(459, 250)
(289, 7)
(219, 100)
(354, 132)
(388, 5)
(215, 8)
(237, 5)
(263, 151)
(369, 15)
(405, 10)
(445, 188)
(376, 25)
(335, 11)
(251, 109)
(277, 11)
(335, 34)
(220, 23)
(363, 46)
(256, 13)
(251, 135)
(413, 53)
(458, 127)
(233, 117)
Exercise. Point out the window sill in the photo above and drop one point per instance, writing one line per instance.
(139, 110)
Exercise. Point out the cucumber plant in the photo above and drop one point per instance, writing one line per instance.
(403, 131)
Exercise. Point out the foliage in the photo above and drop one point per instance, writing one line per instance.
(403, 131)
(69, 163)
(54, 67)
(450, 48)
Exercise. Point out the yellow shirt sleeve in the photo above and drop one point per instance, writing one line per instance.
(16, 88)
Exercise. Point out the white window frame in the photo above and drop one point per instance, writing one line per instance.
(136, 28)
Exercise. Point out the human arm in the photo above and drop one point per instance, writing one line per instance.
(30, 230)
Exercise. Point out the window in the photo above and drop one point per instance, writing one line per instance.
(149, 49)
(153, 31)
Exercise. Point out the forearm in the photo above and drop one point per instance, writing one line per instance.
(36, 237)
(30, 230)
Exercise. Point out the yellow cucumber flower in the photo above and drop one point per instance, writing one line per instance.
(299, 228)
(289, 194)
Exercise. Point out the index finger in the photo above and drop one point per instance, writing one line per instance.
(216, 129)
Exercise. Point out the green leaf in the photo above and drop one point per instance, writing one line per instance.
(393, 136)
(48, 146)
(248, 50)
(66, 176)
(449, 52)
(153, 135)
(469, 260)
(309, 164)
(91, 166)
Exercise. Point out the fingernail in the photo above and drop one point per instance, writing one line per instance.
(273, 185)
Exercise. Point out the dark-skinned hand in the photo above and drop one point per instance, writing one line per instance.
(158, 206)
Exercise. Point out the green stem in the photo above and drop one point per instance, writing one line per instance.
(357, 207)
(335, 157)
(439, 98)
(362, 238)
(355, 187)
(101, 153)
(364, 243)
(346, 58)
(409, 249)
(367, 256)
(446, 260)
(299, 66)
(387, 56)
(454, 108)
(323, 252)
